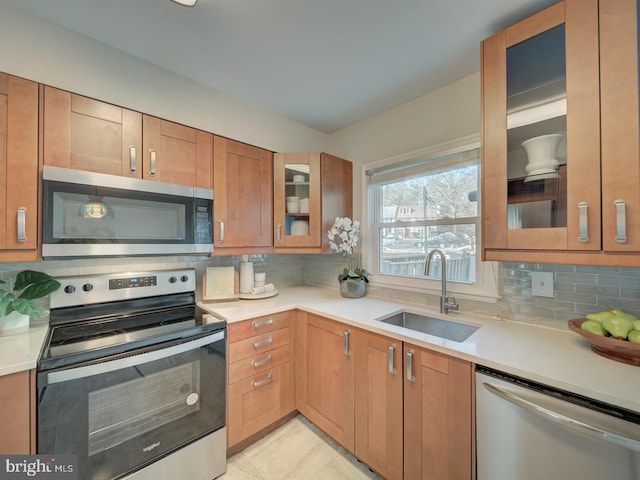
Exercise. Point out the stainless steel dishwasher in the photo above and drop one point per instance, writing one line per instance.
(529, 431)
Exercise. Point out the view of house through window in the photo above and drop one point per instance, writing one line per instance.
(425, 205)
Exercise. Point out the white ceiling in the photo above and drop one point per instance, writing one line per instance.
(323, 63)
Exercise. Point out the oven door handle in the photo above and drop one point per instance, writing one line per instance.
(119, 364)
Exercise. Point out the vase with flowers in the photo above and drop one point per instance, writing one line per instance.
(343, 239)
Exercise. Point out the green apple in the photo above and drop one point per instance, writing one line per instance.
(634, 336)
(636, 324)
(598, 316)
(593, 326)
(617, 326)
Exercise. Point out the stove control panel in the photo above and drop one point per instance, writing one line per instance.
(134, 282)
(110, 287)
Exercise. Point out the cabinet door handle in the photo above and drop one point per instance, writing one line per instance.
(132, 159)
(263, 323)
(21, 232)
(583, 236)
(260, 363)
(279, 233)
(345, 337)
(221, 223)
(262, 343)
(621, 221)
(264, 381)
(152, 164)
(410, 376)
(391, 355)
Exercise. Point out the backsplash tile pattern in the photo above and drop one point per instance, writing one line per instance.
(577, 289)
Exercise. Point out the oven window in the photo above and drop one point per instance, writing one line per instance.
(130, 409)
(81, 216)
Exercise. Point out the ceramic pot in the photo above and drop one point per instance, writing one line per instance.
(14, 323)
(541, 153)
(353, 287)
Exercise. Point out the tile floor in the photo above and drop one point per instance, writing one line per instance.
(297, 450)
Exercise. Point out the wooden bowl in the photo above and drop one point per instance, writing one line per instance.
(619, 350)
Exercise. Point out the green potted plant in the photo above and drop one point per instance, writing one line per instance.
(343, 239)
(17, 300)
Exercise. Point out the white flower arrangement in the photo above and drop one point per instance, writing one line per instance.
(343, 239)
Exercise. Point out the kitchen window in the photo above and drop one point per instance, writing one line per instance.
(422, 201)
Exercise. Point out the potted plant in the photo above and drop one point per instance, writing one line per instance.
(17, 300)
(343, 239)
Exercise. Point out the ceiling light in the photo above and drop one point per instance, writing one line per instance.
(186, 3)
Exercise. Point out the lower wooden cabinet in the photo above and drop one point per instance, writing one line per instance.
(261, 389)
(403, 410)
(438, 440)
(378, 411)
(17, 415)
(325, 376)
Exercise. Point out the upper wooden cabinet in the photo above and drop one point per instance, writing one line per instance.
(541, 135)
(243, 188)
(175, 153)
(18, 169)
(564, 80)
(310, 191)
(87, 134)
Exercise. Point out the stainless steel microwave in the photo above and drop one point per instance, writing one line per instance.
(86, 214)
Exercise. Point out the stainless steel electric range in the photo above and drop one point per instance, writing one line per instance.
(132, 378)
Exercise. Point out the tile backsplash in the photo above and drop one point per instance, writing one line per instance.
(577, 289)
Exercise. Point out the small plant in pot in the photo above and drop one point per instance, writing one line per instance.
(17, 300)
(343, 239)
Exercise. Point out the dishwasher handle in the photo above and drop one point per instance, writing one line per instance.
(559, 418)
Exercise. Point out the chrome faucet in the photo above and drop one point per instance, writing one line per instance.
(446, 303)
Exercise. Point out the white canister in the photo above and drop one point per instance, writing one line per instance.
(304, 205)
(246, 277)
(298, 178)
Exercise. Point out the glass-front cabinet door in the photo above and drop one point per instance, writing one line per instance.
(541, 140)
(619, 47)
(297, 200)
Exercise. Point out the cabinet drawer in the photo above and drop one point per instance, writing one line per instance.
(258, 363)
(257, 402)
(257, 326)
(258, 344)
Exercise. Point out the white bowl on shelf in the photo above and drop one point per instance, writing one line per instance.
(300, 227)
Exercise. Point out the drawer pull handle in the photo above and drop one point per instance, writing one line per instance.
(21, 233)
(260, 363)
(262, 343)
(583, 236)
(621, 221)
(264, 323)
(264, 381)
(410, 376)
(392, 354)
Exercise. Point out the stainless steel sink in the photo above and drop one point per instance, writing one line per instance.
(458, 332)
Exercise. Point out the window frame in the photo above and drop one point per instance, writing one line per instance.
(485, 287)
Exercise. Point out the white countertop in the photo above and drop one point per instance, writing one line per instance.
(555, 357)
(20, 352)
(559, 358)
